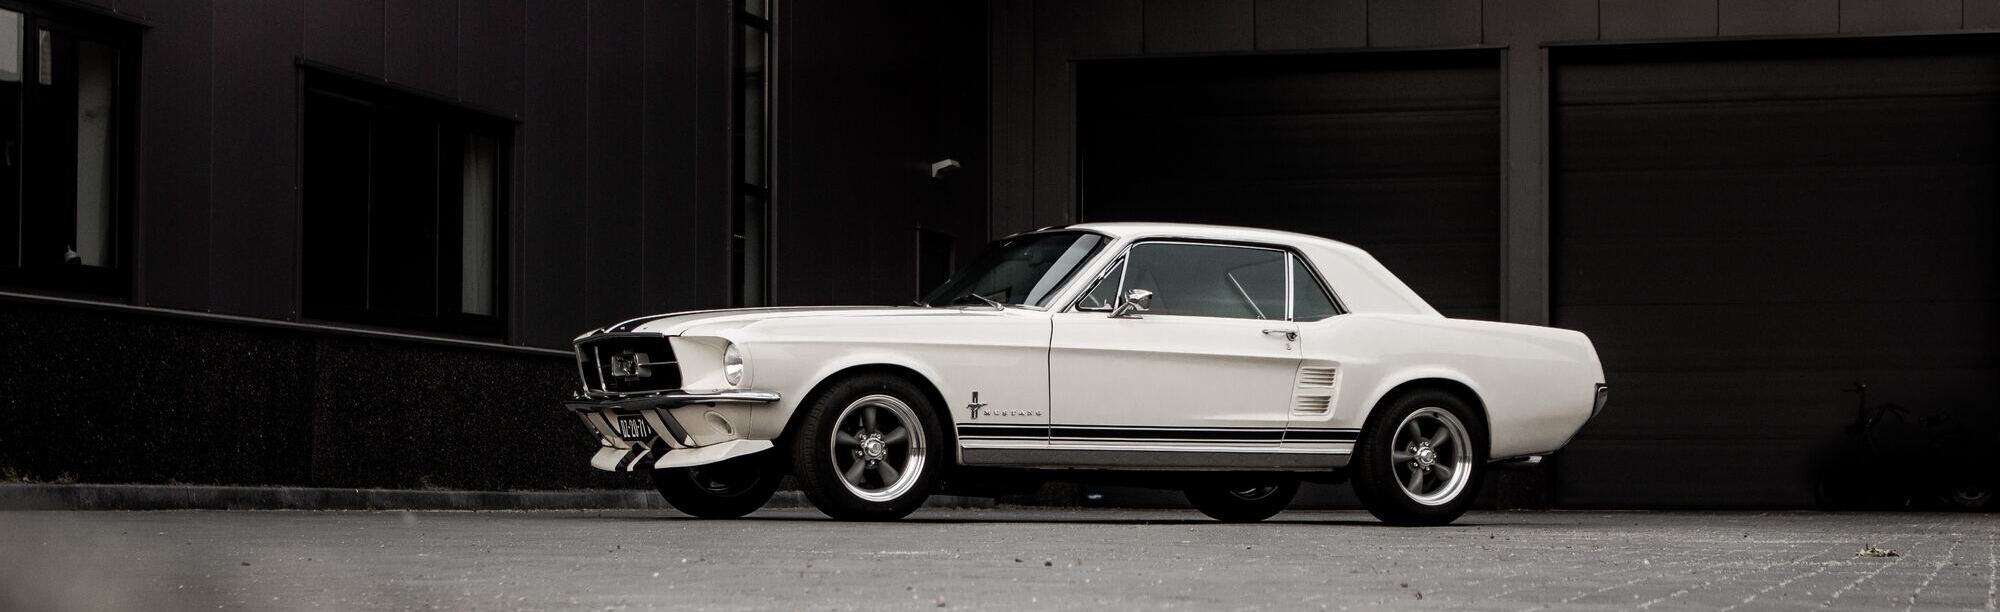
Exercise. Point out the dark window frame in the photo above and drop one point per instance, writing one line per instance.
(452, 121)
(113, 280)
(1293, 256)
(751, 287)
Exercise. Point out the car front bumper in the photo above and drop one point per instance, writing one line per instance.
(682, 428)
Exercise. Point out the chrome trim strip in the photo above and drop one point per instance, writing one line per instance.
(1144, 458)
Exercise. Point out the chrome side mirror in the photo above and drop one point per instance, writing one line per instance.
(1136, 301)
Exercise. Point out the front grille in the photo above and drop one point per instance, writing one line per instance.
(627, 364)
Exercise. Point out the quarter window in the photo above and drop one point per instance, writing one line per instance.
(1309, 298)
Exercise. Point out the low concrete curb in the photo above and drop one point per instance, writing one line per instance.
(201, 497)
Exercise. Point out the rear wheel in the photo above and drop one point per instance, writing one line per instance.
(1244, 504)
(868, 449)
(1420, 460)
(722, 490)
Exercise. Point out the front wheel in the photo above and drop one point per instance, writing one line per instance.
(1244, 504)
(1420, 460)
(722, 490)
(868, 449)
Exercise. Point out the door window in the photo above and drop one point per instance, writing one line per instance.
(1206, 280)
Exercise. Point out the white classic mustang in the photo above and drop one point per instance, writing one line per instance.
(1230, 363)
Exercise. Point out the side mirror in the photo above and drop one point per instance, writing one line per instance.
(1136, 301)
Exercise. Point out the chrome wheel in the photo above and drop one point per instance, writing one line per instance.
(1430, 456)
(878, 447)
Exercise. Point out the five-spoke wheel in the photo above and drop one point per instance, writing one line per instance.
(1430, 456)
(878, 447)
(1420, 459)
(863, 451)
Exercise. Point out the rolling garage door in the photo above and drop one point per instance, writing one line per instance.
(1746, 229)
(1395, 153)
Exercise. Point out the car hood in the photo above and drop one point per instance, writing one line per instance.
(674, 324)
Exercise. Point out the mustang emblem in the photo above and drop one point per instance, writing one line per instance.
(975, 406)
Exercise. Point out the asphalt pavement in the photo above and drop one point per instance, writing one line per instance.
(996, 559)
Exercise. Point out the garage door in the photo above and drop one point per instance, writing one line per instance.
(1745, 230)
(1398, 154)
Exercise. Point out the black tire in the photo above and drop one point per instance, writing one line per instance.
(723, 490)
(1382, 473)
(1244, 504)
(831, 450)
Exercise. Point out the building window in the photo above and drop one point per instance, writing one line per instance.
(750, 221)
(404, 209)
(66, 85)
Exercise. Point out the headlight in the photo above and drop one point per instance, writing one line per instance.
(732, 366)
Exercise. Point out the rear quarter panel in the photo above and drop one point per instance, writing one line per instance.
(1537, 383)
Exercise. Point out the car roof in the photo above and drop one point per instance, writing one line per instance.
(1128, 229)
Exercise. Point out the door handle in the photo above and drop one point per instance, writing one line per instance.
(1289, 334)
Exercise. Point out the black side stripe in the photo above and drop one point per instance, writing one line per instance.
(1323, 435)
(1095, 433)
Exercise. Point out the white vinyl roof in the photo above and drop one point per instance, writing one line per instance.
(1362, 283)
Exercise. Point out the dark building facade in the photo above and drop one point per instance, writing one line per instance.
(343, 242)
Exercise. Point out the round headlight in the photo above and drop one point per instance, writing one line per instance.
(732, 366)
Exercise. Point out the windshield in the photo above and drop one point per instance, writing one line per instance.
(1022, 270)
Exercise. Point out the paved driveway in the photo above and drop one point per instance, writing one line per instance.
(1005, 559)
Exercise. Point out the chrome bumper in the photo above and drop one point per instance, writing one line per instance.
(618, 454)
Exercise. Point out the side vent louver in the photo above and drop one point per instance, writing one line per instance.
(1315, 393)
(1321, 378)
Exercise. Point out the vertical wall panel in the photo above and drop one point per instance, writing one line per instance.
(1982, 14)
(253, 254)
(1311, 24)
(1192, 26)
(346, 33)
(174, 185)
(1645, 19)
(670, 157)
(1011, 133)
(1065, 29)
(1765, 17)
(553, 145)
(713, 78)
(1524, 215)
(1423, 23)
(490, 53)
(612, 187)
(422, 44)
(1901, 15)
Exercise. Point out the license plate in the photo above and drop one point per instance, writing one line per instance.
(634, 428)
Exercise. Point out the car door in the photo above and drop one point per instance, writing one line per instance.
(1209, 366)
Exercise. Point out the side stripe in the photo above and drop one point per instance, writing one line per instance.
(1202, 434)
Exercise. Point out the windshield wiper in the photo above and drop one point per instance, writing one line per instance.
(989, 301)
